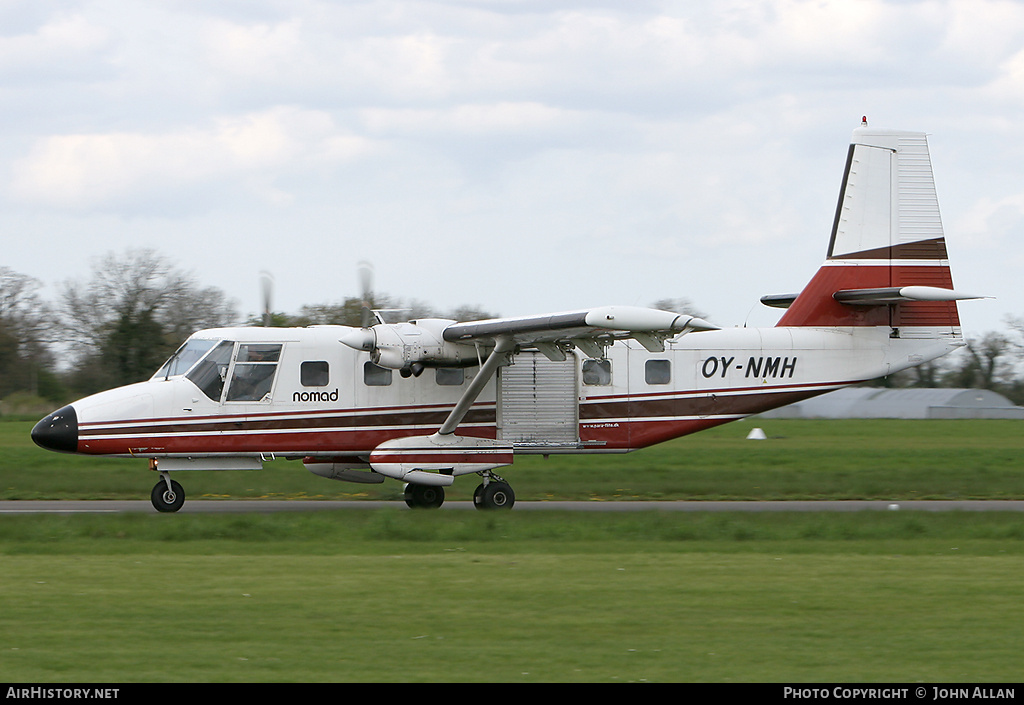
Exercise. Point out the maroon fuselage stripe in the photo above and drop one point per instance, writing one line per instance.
(632, 422)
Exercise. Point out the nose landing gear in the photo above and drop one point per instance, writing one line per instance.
(167, 495)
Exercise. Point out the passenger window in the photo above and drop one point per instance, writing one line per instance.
(450, 376)
(375, 376)
(597, 372)
(209, 375)
(253, 375)
(658, 371)
(315, 374)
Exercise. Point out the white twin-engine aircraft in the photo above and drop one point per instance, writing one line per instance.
(469, 397)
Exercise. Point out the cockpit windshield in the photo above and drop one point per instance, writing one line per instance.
(186, 356)
(246, 370)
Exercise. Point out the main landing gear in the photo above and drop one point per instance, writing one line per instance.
(493, 493)
(167, 495)
(424, 496)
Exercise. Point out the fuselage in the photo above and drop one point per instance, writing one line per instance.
(299, 393)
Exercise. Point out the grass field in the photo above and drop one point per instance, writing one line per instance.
(392, 595)
(398, 596)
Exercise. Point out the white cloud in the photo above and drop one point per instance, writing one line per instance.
(441, 137)
(98, 170)
(62, 46)
(466, 119)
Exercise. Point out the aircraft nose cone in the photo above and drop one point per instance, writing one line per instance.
(58, 431)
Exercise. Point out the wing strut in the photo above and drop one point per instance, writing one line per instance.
(502, 345)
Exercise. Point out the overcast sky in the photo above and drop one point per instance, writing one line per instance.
(524, 157)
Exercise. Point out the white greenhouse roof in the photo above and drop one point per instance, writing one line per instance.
(879, 402)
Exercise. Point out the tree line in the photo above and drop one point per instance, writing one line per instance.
(118, 325)
(131, 313)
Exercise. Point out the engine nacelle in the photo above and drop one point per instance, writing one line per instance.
(414, 345)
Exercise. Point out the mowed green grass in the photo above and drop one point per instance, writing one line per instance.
(393, 595)
(390, 595)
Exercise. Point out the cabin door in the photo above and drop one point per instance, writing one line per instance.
(538, 401)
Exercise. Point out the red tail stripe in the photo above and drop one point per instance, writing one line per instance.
(816, 307)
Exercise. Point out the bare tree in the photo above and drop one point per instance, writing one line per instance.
(26, 325)
(470, 313)
(982, 363)
(21, 305)
(392, 310)
(680, 305)
(132, 313)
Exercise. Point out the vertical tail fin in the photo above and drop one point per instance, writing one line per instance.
(887, 236)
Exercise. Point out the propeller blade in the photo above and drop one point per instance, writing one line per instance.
(366, 286)
(267, 287)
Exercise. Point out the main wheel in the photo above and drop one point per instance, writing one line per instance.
(494, 495)
(424, 496)
(167, 500)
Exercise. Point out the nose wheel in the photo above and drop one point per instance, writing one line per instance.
(167, 495)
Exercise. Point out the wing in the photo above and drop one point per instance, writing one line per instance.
(555, 334)
(588, 329)
(412, 346)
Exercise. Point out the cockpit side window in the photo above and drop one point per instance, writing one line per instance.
(209, 375)
(252, 376)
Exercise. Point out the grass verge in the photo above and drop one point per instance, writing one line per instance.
(397, 596)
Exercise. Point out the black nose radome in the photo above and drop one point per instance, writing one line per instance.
(58, 431)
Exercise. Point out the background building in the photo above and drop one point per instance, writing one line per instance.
(876, 402)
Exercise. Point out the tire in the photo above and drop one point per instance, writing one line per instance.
(167, 501)
(424, 496)
(495, 496)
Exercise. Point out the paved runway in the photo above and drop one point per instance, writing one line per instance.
(199, 506)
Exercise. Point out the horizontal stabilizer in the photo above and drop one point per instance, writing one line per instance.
(779, 300)
(899, 294)
(878, 297)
